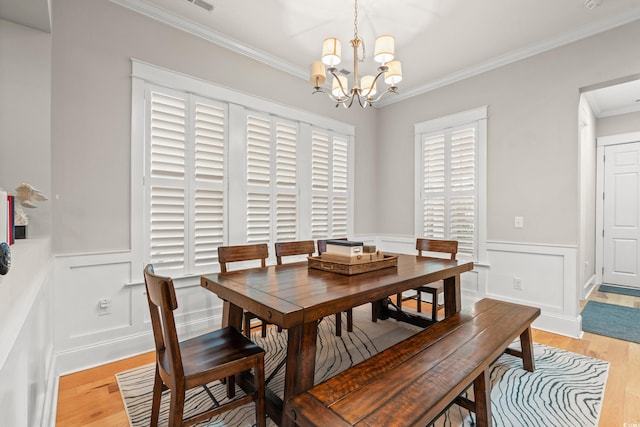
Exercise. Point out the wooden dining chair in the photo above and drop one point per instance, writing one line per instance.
(183, 365)
(322, 247)
(228, 254)
(434, 289)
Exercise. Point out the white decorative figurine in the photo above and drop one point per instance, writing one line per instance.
(25, 195)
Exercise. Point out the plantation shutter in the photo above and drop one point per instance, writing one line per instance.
(434, 185)
(449, 185)
(286, 182)
(319, 185)
(271, 179)
(166, 174)
(462, 215)
(258, 179)
(209, 136)
(339, 217)
(329, 184)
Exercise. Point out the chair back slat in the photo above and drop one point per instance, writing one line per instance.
(435, 245)
(161, 297)
(322, 244)
(227, 254)
(294, 248)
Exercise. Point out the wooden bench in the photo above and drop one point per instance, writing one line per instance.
(414, 381)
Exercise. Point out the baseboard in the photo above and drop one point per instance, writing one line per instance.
(561, 325)
(49, 411)
(589, 287)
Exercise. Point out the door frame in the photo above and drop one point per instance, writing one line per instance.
(601, 143)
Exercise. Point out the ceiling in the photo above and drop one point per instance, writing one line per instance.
(437, 41)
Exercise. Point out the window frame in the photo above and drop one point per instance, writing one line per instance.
(239, 105)
(478, 117)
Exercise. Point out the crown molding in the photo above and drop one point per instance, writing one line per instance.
(215, 37)
(517, 55)
(226, 42)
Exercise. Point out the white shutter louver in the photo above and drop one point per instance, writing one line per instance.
(340, 165)
(258, 179)
(286, 218)
(449, 186)
(433, 173)
(258, 151)
(330, 185)
(320, 185)
(166, 187)
(462, 205)
(209, 179)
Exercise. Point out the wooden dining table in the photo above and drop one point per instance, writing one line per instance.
(294, 297)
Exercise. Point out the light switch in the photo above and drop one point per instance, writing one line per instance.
(518, 222)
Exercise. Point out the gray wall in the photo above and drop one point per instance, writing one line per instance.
(532, 137)
(25, 116)
(622, 123)
(92, 46)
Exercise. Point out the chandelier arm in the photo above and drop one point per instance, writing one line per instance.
(373, 84)
(332, 70)
(390, 89)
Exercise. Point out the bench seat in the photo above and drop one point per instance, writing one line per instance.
(415, 380)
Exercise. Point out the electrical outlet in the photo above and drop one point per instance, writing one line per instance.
(517, 283)
(518, 222)
(104, 306)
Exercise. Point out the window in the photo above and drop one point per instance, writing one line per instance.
(185, 180)
(211, 166)
(450, 180)
(329, 172)
(271, 179)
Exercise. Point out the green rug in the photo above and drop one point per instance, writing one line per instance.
(611, 320)
(619, 290)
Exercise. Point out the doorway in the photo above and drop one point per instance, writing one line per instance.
(614, 110)
(619, 214)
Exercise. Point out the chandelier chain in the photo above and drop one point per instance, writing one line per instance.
(355, 21)
(355, 34)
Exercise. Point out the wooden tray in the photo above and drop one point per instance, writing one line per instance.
(351, 269)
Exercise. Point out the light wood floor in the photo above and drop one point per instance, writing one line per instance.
(92, 398)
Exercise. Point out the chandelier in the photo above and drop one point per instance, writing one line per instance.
(365, 90)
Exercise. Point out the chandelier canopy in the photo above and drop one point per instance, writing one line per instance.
(363, 90)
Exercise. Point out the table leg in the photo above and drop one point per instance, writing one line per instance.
(301, 362)
(526, 346)
(482, 397)
(231, 315)
(452, 296)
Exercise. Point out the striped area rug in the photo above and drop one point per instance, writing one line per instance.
(566, 389)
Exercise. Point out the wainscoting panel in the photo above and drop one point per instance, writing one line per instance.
(86, 337)
(89, 335)
(547, 274)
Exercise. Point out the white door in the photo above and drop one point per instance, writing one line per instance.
(621, 239)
